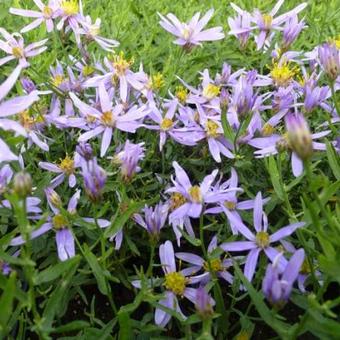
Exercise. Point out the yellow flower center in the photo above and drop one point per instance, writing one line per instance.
(267, 20)
(215, 265)
(47, 11)
(70, 7)
(186, 33)
(267, 130)
(90, 119)
(121, 64)
(17, 52)
(88, 70)
(26, 120)
(230, 205)
(157, 81)
(59, 222)
(67, 165)
(195, 193)
(57, 80)
(211, 129)
(177, 200)
(107, 119)
(166, 124)
(211, 91)
(283, 73)
(94, 30)
(262, 239)
(175, 282)
(181, 94)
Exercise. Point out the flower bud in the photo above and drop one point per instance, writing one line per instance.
(22, 184)
(27, 84)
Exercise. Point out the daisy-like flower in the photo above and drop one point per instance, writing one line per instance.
(128, 157)
(59, 222)
(267, 22)
(298, 140)
(14, 46)
(66, 169)
(46, 15)
(108, 118)
(193, 196)
(175, 283)
(190, 34)
(260, 241)
(230, 205)
(277, 285)
(91, 32)
(213, 263)
(154, 219)
(291, 31)
(329, 57)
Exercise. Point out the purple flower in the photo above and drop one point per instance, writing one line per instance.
(13, 45)
(154, 219)
(261, 241)
(28, 85)
(191, 34)
(329, 57)
(277, 284)
(128, 158)
(59, 222)
(194, 197)
(46, 14)
(66, 169)
(314, 96)
(91, 32)
(94, 179)
(291, 30)
(213, 263)
(204, 303)
(108, 118)
(175, 283)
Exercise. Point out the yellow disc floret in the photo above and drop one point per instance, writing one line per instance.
(107, 119)
(230, 205)
(267, 130)
(211, 129)
(17, 52)
(121, 64)
(156, 81)
(283, 73)
(267, 20)
(166, 124)
(181, 94)
(70, 7)
(262, 239)
(59, 222)
(195, 193)
(47, 12)
(214, 265)
(175, 282)
(67, 165)
(211, 91)
(177, 200)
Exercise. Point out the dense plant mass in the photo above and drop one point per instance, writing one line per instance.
(178, 181)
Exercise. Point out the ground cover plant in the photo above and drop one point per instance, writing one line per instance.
(169, 169)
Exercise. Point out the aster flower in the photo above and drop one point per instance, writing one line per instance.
(154, 219)
(230, 204)
(298, 140)
(213, 263)
(91, 32)
(14, 46)
(329, 57)
(46, 15)
(291, 30)
(261, 241)
(190, 34)
(59, 222)
(277, 285)
(94, 179)
(194, 197)
(108, 118)
(128, 157)
(175, 283)
(267, 22)
(204, 303)
(66, 169)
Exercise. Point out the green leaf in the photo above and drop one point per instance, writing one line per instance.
(333, 160)
(55, 271)
(275, 177)
(72, 326)
(98, 271)
(125, 329)
(6, 302)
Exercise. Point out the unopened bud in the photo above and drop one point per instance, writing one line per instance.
(22, 184)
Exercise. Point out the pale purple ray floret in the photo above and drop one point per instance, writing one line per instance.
(108, 117)
(46, 15)
(175, 284)
(277, 284)
(190, 34)
(259, 241)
